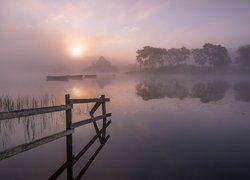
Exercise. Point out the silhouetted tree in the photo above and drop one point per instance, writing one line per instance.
(102, 65)
(213, 55)
(175, 56)
(102, 62)
(244, 55)
(150, 57)
(184, 54)
(217, 55)
(199, 56)
(210, 55)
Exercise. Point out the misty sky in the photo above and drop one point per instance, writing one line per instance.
(46, 30)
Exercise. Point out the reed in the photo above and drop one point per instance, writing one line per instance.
(9, 103)
(33, 126)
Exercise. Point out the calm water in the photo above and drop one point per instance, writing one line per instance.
(173, 127)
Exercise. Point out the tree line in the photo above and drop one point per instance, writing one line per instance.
(209, 55)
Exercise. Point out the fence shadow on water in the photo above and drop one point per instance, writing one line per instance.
(71, 159)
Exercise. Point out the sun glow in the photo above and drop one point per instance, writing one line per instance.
(78, 92)
(76, 51)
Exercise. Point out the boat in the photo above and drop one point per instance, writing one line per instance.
(57, 78)
(75, 77)
(90, 76)
(64, 78)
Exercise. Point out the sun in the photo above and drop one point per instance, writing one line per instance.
(76, 51)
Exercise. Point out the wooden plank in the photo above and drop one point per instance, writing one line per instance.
(97, 130)
(25, 147)
(87, 121)
(95, 107)
(30, 112)
(92, 100)
(104, 119)
(91, 112)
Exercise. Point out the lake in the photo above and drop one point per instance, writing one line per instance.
(163, 127)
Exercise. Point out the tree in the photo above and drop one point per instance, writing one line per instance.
(102, 65)
(199, 56)
(217, 55)
(244, 55)
(212, 55)
(175, 56)
(184, 54)
(150, 57)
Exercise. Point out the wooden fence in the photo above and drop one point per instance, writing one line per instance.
(71, 159)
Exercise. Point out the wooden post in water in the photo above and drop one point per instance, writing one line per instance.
(104, 122)
(69, 138)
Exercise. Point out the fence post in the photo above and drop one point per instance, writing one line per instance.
(104, 122)
(69, 147)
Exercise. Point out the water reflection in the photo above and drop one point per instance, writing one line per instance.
(160, 88)
(104, 81)
(161, 135)
(78, 92)
(243, 91)
(209, 91)
(156, 89)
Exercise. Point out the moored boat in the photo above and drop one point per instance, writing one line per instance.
(75, 76)
(90, 76)
(57, 78)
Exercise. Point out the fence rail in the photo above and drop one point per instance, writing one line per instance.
(27, 146)
(31, 112)
(87, 121)
(68, 132)
(94, 100)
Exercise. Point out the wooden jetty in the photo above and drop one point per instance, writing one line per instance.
(75, 77)
(90, 76)
(68, 132)
(57, 78)
(64, 78)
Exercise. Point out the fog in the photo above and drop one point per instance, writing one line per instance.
(175, 72)
(41, 33)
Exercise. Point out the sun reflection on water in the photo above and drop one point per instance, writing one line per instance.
(77, 92)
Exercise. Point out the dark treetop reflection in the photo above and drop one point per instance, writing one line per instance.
(210, 91)
(154, 89)
(214, 90)
(243, 91)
